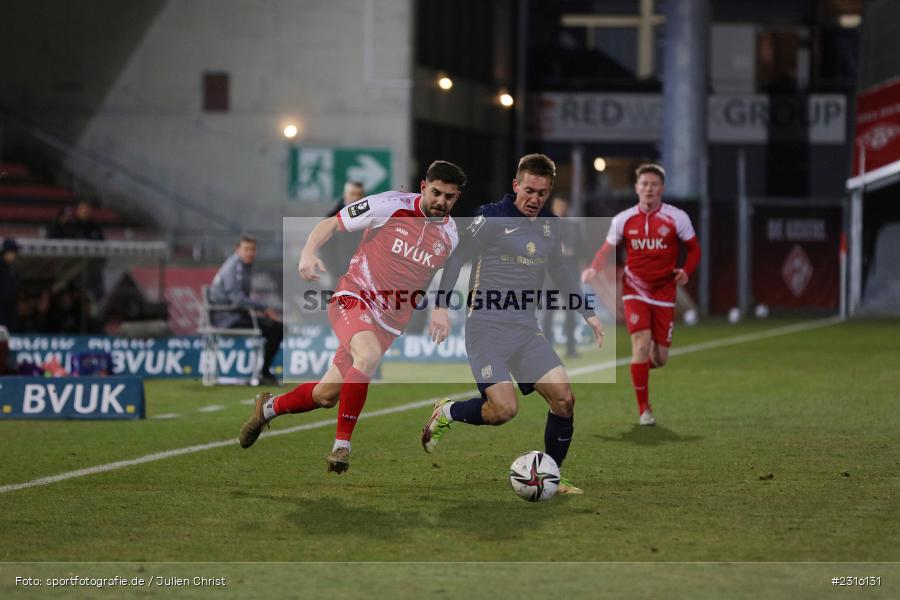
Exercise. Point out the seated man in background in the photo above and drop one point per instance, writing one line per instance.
(232, 285)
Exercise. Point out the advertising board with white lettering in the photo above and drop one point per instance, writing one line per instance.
(71, 398)
(731, 119)
(153, 357)
(795, 256)
(305, 354)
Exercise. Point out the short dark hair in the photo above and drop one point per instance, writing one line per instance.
(539, 165)
(650, 168)
(441, 170)
(246, 237)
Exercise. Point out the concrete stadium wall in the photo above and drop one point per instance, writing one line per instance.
(125, 85)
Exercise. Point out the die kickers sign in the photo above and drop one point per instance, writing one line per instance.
(71, 398)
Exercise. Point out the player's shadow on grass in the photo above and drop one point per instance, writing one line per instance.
(496, 520)
(650, 436)
(330, 516)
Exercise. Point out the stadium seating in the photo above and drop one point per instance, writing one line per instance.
(29, 206)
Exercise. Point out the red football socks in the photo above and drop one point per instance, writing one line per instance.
(353, 398)
(298, 400)
(640, 376)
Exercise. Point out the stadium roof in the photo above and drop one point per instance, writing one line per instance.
(876, 179)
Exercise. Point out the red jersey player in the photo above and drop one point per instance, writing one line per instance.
(407, 238)
(651, 231)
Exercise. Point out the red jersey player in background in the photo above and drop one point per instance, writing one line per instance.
(407, 238)
(651, 232)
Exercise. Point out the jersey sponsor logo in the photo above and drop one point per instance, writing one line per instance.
(530, 248)
(663, 230)
(360, 208)
(476, 224)
(648, 244)
(401, 231)
(411, 252)
(438, 248)
(508, 230)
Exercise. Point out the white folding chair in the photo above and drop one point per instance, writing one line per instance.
(212, 337)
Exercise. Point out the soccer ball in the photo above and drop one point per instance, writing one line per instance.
(534, 476)
(762, 311)
(690, 317)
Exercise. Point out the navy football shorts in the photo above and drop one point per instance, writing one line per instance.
(503, 352)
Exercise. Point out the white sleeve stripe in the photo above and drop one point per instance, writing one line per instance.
(617, 227)
(683, 226)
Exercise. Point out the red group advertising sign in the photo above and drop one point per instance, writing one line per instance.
(877, 141)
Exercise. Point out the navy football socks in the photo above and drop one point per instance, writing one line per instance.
(468, 411)
(558, 436)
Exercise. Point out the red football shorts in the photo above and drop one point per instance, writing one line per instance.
(349, 316)
(660, 320)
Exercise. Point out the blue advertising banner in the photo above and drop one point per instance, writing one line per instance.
(71, 398)
(168, 357)
(307, 353)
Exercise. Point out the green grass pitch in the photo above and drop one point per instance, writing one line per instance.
(774, 459)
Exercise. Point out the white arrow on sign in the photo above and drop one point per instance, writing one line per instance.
(369, 173)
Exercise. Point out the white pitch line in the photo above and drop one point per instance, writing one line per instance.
(210, 408)
(713, 344)
(166, 416)
(210, 446)
(720, 343)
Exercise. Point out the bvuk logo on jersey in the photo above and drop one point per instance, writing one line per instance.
(412, 252)
(648, 244)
